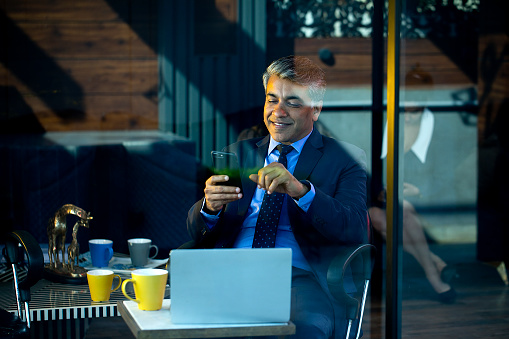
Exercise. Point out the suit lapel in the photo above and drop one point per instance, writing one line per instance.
(311, 153)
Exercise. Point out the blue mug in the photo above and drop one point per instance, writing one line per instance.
(101, 251)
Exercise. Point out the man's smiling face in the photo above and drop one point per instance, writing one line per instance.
(288, 111)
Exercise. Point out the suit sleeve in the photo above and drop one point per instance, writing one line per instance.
(196, 226)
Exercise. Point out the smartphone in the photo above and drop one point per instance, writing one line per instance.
(227, 163)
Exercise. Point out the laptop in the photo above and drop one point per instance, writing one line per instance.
(230, 286)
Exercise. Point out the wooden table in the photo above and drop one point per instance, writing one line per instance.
(158, 324)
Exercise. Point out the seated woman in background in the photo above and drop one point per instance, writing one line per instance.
(418, 132)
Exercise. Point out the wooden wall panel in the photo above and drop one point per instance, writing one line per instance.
(62, 10)
(129, 113)
(98, 40)
(80, 65)
(98, 77)
(344, 46)
(352, 58)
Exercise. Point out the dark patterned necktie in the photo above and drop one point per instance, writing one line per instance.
(268, 218)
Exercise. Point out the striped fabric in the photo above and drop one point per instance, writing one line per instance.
(54, 301)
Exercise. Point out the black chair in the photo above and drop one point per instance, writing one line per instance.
(359, 261)
(18, 246)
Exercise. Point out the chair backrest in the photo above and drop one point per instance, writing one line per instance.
(359, 261)
(18, 245)
(20, 241)
(370, 230)
(353, 263)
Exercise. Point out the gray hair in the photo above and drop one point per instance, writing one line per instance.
(300, 70)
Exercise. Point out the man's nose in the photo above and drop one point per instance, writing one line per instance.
(280, 110)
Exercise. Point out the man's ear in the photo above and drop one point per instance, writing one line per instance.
(317, 108)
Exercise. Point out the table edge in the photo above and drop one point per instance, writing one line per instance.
(286, 329)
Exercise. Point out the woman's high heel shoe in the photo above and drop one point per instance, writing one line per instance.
(447, 274)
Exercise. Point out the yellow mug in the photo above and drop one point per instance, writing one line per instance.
(100, 283)
(149, 286)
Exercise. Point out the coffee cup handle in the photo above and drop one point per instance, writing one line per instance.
(109, 254)
(124, 284)
(157, 251)
(119, 282)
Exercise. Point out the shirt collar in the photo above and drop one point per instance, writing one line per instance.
(421, 145)
(298, 145)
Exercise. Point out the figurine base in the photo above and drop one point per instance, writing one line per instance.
(62, 275)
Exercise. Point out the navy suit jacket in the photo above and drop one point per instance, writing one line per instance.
(337, 216)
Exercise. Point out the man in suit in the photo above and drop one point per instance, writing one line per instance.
(323, 186)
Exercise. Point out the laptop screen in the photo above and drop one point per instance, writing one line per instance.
(230, 286)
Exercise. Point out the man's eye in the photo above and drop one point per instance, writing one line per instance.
(293, 104)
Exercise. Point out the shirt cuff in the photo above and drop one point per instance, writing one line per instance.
(209, 219)
(307, 199)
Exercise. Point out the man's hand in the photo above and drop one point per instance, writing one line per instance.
(217, 195)
(276, 178)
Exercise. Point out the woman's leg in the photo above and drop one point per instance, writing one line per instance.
(415, 243)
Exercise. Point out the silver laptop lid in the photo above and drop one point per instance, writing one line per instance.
(230, 286)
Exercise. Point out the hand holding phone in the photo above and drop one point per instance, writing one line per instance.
(227, 163)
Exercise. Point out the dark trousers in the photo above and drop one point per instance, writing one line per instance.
(313, 313)
(315, 316)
